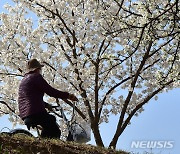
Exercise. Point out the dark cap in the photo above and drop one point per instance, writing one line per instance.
(32, 65)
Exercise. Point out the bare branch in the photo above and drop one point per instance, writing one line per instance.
(172, 64)
(11, 74)
(6, 104)
(77, 109)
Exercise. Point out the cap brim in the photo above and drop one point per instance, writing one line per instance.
(33, 69)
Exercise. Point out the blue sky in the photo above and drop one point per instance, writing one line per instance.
(159, 122)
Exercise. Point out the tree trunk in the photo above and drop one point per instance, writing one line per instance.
(113, 143)
(97, 135)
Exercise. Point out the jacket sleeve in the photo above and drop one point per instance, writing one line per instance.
(49, 90)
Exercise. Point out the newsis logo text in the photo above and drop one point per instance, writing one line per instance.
(152, 144)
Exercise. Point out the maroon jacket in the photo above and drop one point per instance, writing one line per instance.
(31, 92)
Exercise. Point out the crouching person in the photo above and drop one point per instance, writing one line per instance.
(30, 100)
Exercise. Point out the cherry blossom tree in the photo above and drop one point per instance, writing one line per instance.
(115, 56)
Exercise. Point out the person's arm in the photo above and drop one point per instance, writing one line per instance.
(49, 90)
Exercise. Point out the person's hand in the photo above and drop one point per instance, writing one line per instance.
(72, 97)
(49, 107)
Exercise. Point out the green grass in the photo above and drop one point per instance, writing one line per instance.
(21, 144)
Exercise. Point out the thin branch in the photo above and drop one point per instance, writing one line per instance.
(101, 46)
(157, 17)
(150, 55)
(6, 104)
(11, 74)
(77, 109)
(120, 6)
(172, 64)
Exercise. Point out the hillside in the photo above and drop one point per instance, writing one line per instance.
(28, 145)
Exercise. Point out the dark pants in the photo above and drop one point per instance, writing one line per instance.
(48, 123)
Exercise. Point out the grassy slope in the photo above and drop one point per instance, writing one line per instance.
(28, 145)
